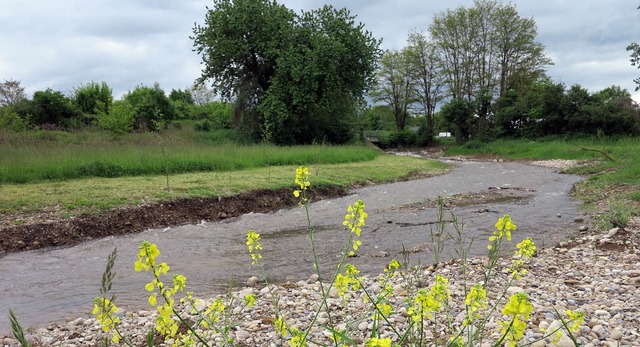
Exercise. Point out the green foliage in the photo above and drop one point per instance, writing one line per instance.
(293, 78)
(634, 48)
(395, 85)
(181, 95)
(458, 113)
(379, 117)
(218, 114)
(500, 53)
(17, 330)
(118, 120)
(548, 108)
(93, 97)
(51, 109)
(12, 121)
(153, 107)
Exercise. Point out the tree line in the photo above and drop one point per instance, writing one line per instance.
(145, 108)
(482, 67)
(296, 78)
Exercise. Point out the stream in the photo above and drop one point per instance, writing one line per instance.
(60, 283)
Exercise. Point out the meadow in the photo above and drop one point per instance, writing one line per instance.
(74, 173)
(55, 156)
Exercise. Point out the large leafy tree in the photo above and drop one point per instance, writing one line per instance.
(294, 78)
(425, 67)
(487, 50)
(395, 86)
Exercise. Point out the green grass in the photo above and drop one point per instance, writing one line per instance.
(61, 156)
(92, 195)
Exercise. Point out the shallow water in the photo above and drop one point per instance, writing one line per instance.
(57, 284)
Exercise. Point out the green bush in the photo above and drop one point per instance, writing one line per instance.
(12, 121)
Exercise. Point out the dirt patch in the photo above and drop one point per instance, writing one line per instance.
(491, 195)
(67, 232)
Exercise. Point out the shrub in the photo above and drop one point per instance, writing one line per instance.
(12, 121)
(118, 120)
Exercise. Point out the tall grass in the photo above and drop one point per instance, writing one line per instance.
(42, 156)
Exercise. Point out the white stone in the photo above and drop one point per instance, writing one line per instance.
(252, 281)
(616, 334)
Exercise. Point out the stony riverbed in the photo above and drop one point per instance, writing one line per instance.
(597, 273)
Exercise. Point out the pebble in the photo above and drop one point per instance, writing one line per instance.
(602, 283)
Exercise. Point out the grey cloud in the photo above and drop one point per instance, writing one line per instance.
(64, 43)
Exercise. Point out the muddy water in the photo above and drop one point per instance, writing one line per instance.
(56, 284)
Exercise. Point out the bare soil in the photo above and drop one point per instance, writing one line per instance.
(67, 232)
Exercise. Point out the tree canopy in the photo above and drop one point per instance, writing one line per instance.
(294, 78)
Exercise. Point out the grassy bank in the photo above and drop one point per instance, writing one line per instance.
(71, 197)
(41, 156)
(612, 167)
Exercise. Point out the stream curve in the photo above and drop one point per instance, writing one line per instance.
(60, 283)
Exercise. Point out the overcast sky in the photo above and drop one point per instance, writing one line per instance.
(63, 43)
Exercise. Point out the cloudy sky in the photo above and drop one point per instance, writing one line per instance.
(64, 43)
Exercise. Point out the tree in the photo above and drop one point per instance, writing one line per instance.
(153, 107)
(89, 96)
(52, 109)
(634, 48)
(520, 58)
(201, 94)
(118, 120)
(11, 92)
(425, 67)
(11, 120)
(293, 78)
(458, 113)
(181, 95)
(395, 85)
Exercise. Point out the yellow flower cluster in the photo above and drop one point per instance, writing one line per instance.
(349, 279)
(254, 245)
(165, 323)
(378, 342)
(105, 310)
(476, 299)
(214, 310)
(353, 220)
(525, 250)
(302, 180)
(426, 302)
(298, 338)
(518, 309)
(504, 227)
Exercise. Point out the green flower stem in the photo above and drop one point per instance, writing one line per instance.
(497, 344)
(316, 264)
(378, 309)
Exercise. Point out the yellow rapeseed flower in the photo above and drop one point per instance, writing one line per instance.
(378, 342)
(254, 245)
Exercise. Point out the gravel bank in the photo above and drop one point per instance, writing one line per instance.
(598, 273)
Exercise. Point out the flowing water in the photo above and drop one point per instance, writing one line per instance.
(60, 283)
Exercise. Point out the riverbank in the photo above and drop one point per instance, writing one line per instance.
(595, 273)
